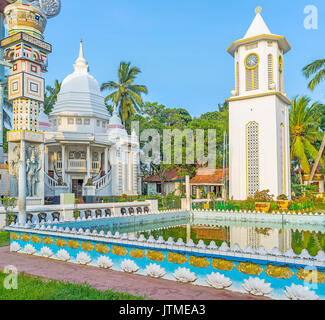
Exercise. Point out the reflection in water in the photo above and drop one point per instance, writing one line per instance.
(244, 234)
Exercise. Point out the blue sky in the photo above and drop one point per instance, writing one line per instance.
(179, 45)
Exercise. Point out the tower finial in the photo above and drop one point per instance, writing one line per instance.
(81, 64)
(258, 10)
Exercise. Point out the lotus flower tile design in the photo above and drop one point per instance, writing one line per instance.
(46, 252)
(129, 266)
(257, 287)
(104, 262)
(83, 258)
(298, 292)
(63, 255)
(155, 271)
(15, 247)
(218, 281)
(29, 249)
(184, 275)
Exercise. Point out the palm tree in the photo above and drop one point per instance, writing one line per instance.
(125, 94)
(317, 69)
(51, 96)
(304, 132)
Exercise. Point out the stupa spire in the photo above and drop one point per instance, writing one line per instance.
(81, 64)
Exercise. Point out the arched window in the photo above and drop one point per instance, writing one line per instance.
(270, 70)
(252, 151)
(280, 73)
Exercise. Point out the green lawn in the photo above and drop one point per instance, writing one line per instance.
(30, 288)
(4, 238)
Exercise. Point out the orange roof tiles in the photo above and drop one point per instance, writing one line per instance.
(209, 176)
(172, 175)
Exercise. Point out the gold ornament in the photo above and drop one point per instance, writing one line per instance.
(14, 236)
(25, 237)
(60, 243)
(73, 244)
(223, 265)
(101, 248)
(36, 239)
(278, 272)
(87, 246)
(249, 268)
(155, 256)
(198, 262)
(176, 258)
(48, 241)
(258, 10)
(136, 253)
(119, 251)
(311, 276)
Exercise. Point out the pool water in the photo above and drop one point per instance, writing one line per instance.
(268, 235)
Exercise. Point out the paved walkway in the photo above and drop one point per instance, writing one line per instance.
(157, 289)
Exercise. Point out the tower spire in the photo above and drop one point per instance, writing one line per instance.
(81, 64)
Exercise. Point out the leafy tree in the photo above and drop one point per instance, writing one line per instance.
(304, 122)
(125, 94)
(51, 96)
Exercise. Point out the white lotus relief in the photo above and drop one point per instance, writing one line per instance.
(104, 262)
(83, 258)
(29, 249)
(63, 255)
(155, 271)
(298, 292)
(257, 287)
(15, 247)
(46, 252)
(129, 266)
(184, 275)
(218, 281)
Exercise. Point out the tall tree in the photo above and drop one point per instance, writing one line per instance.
(317, 70)
(125, 94)
(51, 96)
(304, 122)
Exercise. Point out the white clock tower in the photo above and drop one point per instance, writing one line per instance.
(259, 115)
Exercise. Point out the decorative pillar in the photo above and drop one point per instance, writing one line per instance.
(22, 184)
(63, 163)
(25, 49)
(2, 83)
(106, 160)
(88, 162)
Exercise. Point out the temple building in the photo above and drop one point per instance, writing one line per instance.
(87, 151)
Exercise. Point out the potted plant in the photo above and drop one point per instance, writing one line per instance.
(263, 201)
(283, 203)
(76, 213)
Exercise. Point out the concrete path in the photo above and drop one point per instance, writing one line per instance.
(157, 289)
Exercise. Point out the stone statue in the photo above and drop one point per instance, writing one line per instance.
(51, 7)
(33, 168)
(14, 171)
(89, 182)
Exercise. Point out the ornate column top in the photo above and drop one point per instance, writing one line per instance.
(51, 8)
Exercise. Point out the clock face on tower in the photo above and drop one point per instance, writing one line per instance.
(252, 61)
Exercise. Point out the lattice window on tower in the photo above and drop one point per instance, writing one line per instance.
(253, 178)
(270, 70)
